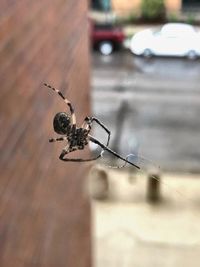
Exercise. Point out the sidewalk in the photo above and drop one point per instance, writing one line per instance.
(129, 30)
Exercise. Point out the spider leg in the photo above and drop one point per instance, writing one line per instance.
(51, 140)
(92, 139)
(88, 124)
(73, 117)
(66, 151)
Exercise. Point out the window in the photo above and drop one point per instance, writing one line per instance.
(101, 5)
(191, 3)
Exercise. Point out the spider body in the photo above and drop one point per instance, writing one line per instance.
(61, 123)
(78, 137)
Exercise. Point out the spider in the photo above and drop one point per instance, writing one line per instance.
(77, 138)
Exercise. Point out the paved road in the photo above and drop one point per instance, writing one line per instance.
(152, 106)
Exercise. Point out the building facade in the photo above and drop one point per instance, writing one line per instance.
(128, 6)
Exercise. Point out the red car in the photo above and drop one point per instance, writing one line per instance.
(106, 37)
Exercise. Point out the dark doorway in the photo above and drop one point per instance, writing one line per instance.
(192, 5)
(101, 5)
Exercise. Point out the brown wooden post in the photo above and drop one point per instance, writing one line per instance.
(45, 215)
(153, 187)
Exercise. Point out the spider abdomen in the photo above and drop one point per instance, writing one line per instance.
(62, 123)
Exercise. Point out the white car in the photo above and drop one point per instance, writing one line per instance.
(172, 39)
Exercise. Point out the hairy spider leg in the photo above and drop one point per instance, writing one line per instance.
(92, 139)
(51, 140)
(73, 117)
(68, 150)
(88, 125)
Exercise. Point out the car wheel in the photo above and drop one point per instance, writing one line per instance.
(106, 48)
(147, 53)
(192, 54)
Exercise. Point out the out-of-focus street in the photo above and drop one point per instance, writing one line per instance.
(152, 107)
(154, 103)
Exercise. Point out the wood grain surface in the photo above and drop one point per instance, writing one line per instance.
(44, 212)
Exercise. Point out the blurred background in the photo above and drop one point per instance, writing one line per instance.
(145, 88)
(135, 66)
